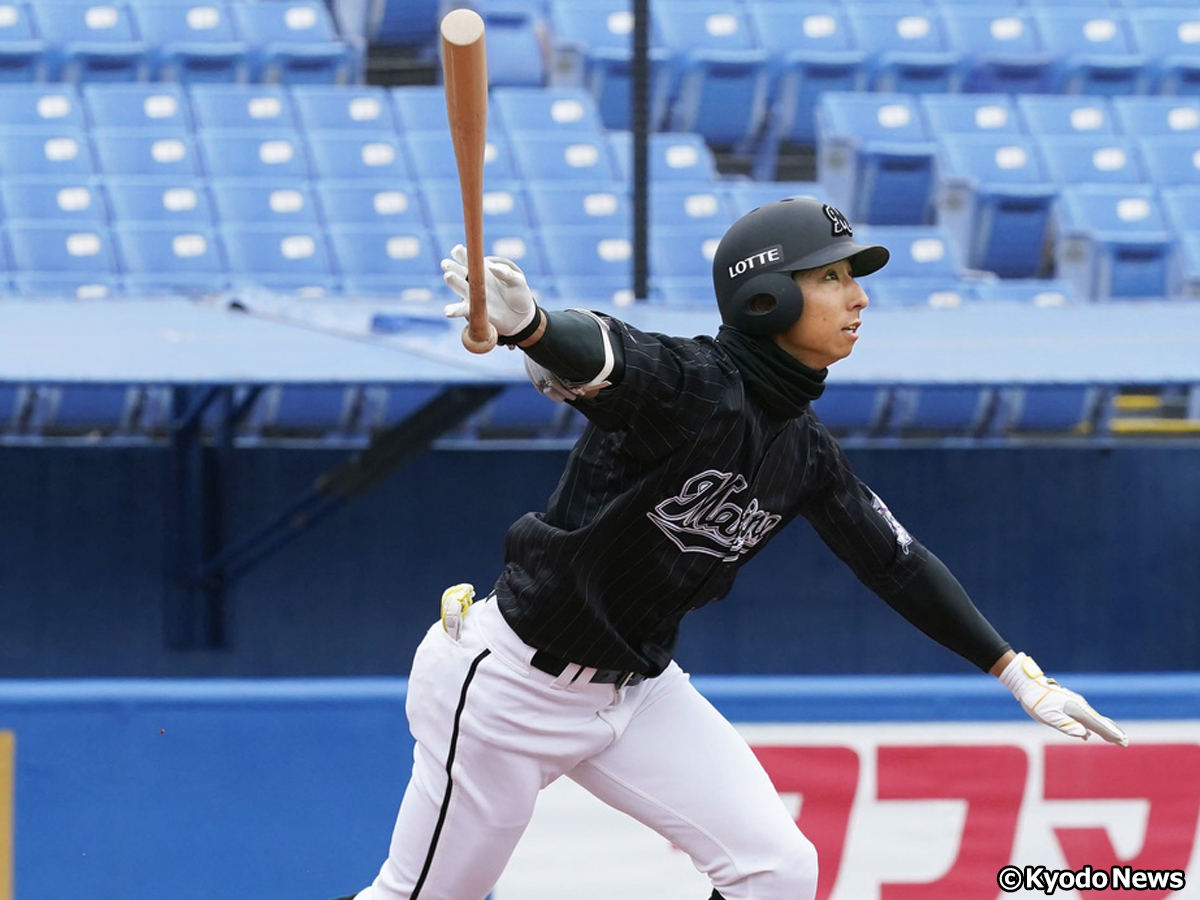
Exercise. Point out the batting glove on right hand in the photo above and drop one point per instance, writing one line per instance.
(1050, 703)
(510, 304)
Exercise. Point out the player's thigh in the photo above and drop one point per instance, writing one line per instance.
(682, 769)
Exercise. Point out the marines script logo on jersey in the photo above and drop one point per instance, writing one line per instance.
(704, 519)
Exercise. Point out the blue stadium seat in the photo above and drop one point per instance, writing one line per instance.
(684, 252)
(1150, 116)
(166, 152)
(258, 107)
(812, 50)
(61, 153)
(503, 204)
(994, 195)
(282, 203)
(852, 409)
(192, 41)
(944, 292)
(328, 108)
(282, 259)
(917, 251)
(40, 107)
(176, 202)
(601, 204)
(1050, 408)
(433, 157)
(158, 258)
(514, 46)
(572, 157)
(875, 161)
(232, 154)
(513, 242)
(907, 49)
(671, 156)
(970, 114)
(1114, 241)
(554, 109)
(93, 42)
(77, 201)
(378, 259)
(308, 411)
(421, 108)
(674, 205)
(75, 285)
(1189, 252)
(295, 42)
(520, 412)
(395, 403)
(1095, 52)
(720, 82)
(358, 155)
(1001, 48)
(591, 292)
(23, 55)
(1169, 38)
(1091, 159)
(385, 203)
(943, 409)
(87, 409)
(403, 23)
(1182, 206)
(1067, 115)
(60, 249)
(745, 196)
(1173, 160)
(601, 252)
(156, 106)
(1030, 291)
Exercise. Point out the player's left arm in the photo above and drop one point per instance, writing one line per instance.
(859, 528)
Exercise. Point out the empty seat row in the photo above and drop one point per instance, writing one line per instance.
(289, 41)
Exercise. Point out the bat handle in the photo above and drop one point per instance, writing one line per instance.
(480, 335)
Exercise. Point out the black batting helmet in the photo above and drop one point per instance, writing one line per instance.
(754, 261)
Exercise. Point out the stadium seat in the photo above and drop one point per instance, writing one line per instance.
(59, 153)
(852, 409)
(23, 55)
(1114, 241)
(745, 196)
(503, 204)
(75, 285)
(512, 242)
(193, 41)
(1172, 160)
(433, 157)
(83, 409)
(970, 114)
(685, 251)
(175, 202)
(671, 157)
(60, 249)
(1090, 159)
(282, 203)
(1147, 117)
(944, 292)
(1030, 291)
(327, 108)
(720, 79)
(231, 154)
(922, 251)
(383, 203)
(548, 157)
(675, 205)
(358, 155)
(907, 49)
(158, 258)
(520, 412)
(811, 50)
(1189, 252)
(77, 201)
(1182, 206)
(591, 292)
(284, 259)
(1095, 52)
(604, 253)
(378, 259)
(1001, 48)
(1067, 115)
(156, 106)
(295, 42)
(554, 109)
(875, 161)
(514, 46)
(41, 107)
(93, 42)
(1169, 37)
(260, 107)
(308, 411)
(166, 152)
(1051, 408)
(943, 409)
(420, 108)
(600, 204)
(994, 195)
(403, 23)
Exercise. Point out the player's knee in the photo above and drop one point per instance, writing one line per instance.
(791, 874)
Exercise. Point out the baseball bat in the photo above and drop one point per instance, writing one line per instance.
(464, 67)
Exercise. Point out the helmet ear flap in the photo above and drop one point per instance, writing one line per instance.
(767, 304)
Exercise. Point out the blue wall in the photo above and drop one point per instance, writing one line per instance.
(1086, 557)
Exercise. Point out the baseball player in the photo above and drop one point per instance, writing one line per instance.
(697, 452)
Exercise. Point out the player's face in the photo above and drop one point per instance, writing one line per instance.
(828, 328)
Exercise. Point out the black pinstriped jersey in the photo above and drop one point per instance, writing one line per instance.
(679, 478)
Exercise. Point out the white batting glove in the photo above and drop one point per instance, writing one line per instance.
(1050, 703)
(510, 304)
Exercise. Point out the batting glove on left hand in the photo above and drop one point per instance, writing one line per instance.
(510, 304)
(1049, 702)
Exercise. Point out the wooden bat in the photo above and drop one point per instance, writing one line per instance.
(464, 66)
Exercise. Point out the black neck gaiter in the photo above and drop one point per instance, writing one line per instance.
(779, 381)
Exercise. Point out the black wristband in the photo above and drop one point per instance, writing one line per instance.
(511, 340)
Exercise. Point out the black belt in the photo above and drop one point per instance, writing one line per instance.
(552, 665)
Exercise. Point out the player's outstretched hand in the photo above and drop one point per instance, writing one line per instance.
(510, 303)
(1049, 702)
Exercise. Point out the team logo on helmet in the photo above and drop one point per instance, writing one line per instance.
(840, 224)
(768, 256)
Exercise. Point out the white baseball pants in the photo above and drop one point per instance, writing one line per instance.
(492, 731)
